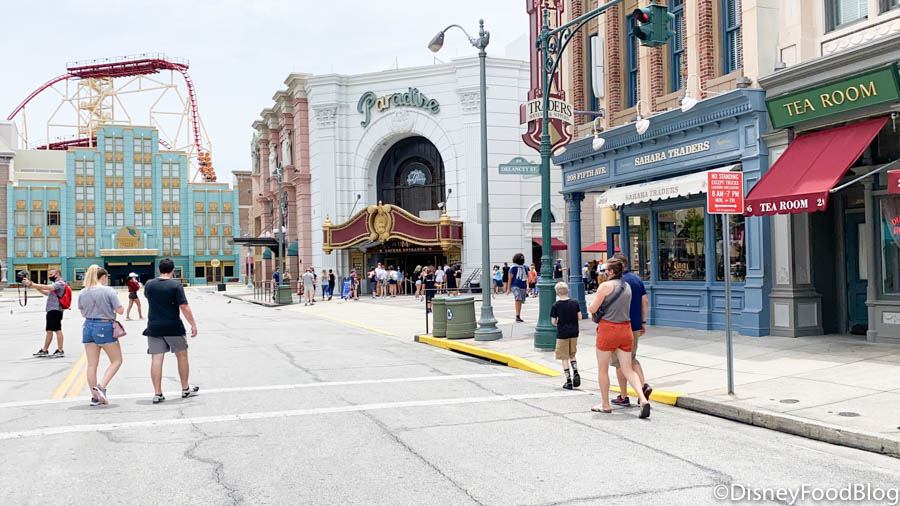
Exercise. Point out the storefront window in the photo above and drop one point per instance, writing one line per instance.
(639, 245)
(737, 248)
(681, 253)
(890, 245)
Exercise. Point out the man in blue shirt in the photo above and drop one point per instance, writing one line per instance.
(639, 307)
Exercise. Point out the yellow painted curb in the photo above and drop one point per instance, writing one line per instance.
(657, 396)
(63, 387)
(505, 358)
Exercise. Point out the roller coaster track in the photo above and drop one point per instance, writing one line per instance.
(143, 64)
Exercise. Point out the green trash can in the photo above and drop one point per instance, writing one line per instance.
(460, 317)
(284, 294)
(439, 316)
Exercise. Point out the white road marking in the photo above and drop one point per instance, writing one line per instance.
(40, 402)
(237, 417)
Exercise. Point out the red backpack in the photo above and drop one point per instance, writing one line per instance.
(66, 300)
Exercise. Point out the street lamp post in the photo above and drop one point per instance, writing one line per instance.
(487, 323)
(282, 202)
(552, 44)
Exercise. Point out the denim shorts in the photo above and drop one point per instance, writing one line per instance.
(97, 331)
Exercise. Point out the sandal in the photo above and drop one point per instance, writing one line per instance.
(600, 409)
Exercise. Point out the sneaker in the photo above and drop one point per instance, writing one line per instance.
(158, 398)
(647, 391)
(189, 392)
(58, 354)
(95, 401)
(568, 385)
(100, 394)
(519, 320)
(622, 401)
(40, 354)
(576, 379)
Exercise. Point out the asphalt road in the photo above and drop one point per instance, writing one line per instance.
(296, 409)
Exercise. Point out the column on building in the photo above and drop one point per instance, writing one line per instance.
(284, 111)
(796, 307)
(5, 220)
(296, 84)
(576, 284)
(263, 266)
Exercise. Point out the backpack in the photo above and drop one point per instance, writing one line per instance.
(65, 301)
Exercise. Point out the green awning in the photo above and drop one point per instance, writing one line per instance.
(267, 254)
(293, 249)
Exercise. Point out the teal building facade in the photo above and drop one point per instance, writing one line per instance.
(122, 204)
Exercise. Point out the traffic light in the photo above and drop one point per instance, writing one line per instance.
(651, 25)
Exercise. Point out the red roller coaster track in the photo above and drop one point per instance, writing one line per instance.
(126, 66)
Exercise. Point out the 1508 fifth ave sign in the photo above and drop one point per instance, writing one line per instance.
(411, 98)
(862, 90)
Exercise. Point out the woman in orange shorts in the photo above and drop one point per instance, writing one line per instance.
(614, 334)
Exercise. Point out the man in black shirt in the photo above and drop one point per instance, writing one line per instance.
(450, 279)
(565, 315)
(165, 331)
(428, 281)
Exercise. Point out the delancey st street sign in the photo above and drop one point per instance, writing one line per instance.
(520, 166)
(862, 90)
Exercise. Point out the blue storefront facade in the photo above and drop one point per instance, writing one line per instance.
(664, 230)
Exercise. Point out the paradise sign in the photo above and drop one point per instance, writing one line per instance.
(411, 98)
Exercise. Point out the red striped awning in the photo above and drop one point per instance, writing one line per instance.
(555, 244)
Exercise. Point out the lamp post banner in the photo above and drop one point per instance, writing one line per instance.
(560, 129)
(559, 109)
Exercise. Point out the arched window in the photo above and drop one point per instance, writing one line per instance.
(536, 217)
(411, 176)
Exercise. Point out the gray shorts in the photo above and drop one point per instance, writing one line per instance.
(159, 345)
(520, 294)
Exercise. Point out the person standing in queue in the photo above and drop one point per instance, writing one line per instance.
(505, 271)
(430, 286)
(613, 301)
(165, 331)
(309, 287)
(518, 283)
(331, 283)
(133, 286)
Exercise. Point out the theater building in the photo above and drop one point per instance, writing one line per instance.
(386, 167)
(122, 204)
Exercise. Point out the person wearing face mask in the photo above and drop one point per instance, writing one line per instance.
(54, 312)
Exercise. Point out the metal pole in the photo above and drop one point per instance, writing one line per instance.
(545, 332)
(487, 324)
(280, 231)
(726, 257)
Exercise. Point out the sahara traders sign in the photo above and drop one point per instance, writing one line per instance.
(862, 90)
(667, 154)
(411, 98)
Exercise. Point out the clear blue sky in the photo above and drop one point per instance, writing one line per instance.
(240, 51)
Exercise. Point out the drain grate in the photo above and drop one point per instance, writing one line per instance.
(789, 401)
(850, 414)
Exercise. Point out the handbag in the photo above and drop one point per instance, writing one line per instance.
(596, 317)
(118, 329)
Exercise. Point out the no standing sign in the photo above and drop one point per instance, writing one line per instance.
(725, 193)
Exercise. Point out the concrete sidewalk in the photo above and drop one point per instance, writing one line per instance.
(840, 389)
